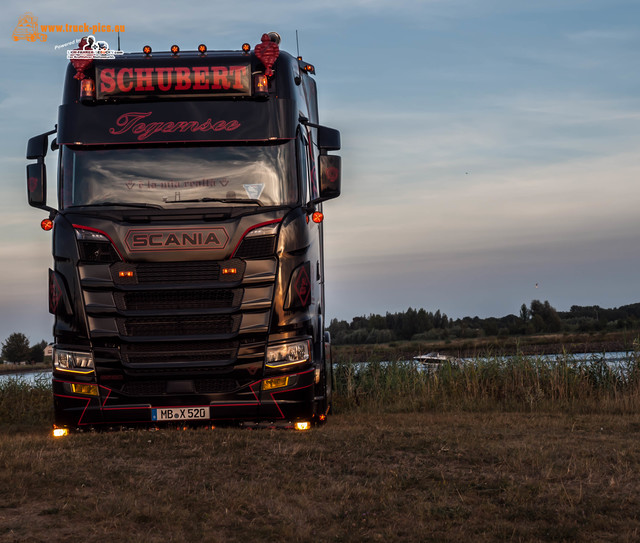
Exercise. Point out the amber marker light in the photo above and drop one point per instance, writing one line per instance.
(125, 274)
(202, 48)
(229, 271)
(246, 47)
(146, 49)
(46, 224)
(317, 217)
(175, 49)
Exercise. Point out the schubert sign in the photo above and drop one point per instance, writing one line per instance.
(119, 82)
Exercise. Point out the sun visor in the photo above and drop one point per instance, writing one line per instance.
(174, 122)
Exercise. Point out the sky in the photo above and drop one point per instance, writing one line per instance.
(490, 148)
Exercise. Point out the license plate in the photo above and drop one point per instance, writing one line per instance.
(180, 413)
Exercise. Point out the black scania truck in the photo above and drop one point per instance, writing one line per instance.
(188, 262)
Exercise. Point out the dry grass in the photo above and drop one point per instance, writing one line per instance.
(563, 468)
(395, 477)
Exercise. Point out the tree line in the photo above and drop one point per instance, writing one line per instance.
(536, 318)
(16, 349)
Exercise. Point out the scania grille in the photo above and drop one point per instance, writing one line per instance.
(178, 299)
(158, 388)
(179, 326)
(175, 272)
(178, 353)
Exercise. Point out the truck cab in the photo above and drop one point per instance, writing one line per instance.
(188, 261)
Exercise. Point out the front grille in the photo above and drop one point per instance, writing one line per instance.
(178, 299)
(259, 247)
(179, 326)
(177, 272)
(158, 388)
(179, 353)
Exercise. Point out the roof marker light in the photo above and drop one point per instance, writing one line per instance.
(146, 49)
(202, 48)
(175, 49)
(246, 47)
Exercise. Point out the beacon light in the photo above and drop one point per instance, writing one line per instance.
(46, 224)
(87, 89)
(260, 85)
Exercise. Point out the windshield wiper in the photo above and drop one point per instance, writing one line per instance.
(223, 200)
(121, 204)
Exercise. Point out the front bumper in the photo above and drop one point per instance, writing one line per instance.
(102, 406)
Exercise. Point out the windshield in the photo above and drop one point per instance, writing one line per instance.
(170, 177)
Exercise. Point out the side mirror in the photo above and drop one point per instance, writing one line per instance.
(330, 168)
(37, 173)
(328, 138)
(37, 185)
(37, 146)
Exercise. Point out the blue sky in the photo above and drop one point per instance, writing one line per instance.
(488, 145)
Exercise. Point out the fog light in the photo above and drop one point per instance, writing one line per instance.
(276, 382)
(81, 388)
(302, 426)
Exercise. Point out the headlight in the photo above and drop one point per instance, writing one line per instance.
(73, 361)
(287, 354)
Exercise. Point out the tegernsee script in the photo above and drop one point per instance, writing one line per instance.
(132, 122)
(140, 82)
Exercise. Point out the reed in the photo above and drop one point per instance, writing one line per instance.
(493, 382)
(25, 404)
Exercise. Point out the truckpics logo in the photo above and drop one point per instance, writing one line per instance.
(177, 239)
(27, 29)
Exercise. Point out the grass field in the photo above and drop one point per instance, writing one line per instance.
(562, 468)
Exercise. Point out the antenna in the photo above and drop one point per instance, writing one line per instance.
(118, 40)
(297, 45)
